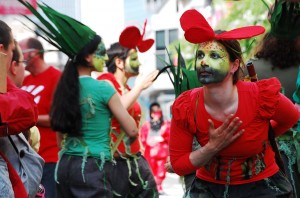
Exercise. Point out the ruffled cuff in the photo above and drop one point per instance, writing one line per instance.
(269, 90)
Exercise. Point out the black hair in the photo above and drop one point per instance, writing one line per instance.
(5, 34)
(155, 104)
(33, 43)
(16, 53)
(115, 51)
(65, 111)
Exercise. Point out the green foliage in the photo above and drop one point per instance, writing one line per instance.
(182, 77)
(245, 13)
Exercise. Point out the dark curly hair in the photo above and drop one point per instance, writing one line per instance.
(282, 53)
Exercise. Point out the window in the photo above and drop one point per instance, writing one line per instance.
(163, 39)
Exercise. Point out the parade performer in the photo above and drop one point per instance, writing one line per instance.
(230, 119)
(278, 55)
(131, 166)
(82, 109)
(155, 139)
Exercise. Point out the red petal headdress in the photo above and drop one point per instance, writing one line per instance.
(132, 38)
(197, 30)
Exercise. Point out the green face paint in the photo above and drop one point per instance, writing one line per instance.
(100, 57)
(132, 63)
(212, 63)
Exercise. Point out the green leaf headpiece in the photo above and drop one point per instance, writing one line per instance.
(64, 32)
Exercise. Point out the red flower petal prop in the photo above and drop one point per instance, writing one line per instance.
(132, 38)
(197, 29)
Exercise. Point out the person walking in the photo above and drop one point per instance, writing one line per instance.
(155, 139)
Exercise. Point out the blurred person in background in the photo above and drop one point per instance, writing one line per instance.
(41, 83)
(155, 139)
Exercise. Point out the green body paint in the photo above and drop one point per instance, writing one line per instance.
(212, 63)
(100, 57)
(132, 63)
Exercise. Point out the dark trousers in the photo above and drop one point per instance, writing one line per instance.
(89, 179)
(275, 186)
(48, 180)
(133, 178)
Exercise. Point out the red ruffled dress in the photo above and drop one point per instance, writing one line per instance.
(250, 158)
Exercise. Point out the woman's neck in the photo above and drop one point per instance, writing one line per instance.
(220, 96)
(84, 71)
(121, 77)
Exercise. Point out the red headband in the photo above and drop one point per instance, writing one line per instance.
(197, 30)
(132, 38)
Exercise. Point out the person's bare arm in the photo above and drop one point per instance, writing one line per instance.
(142, 82)
(122, 115)
(43, 121)
(59, 139)
(219, 139)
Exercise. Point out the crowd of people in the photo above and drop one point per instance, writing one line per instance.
(68, 134)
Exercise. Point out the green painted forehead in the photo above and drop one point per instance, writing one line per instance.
(101, 50)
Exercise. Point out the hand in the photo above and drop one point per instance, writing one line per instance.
(144, 81)
(168, 166)
(225, 134)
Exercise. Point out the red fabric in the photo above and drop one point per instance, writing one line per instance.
(131, 37)
(16, 182)
(197, 29)
(156, 150)
(258, 103)
(42, 87)
(134, 111)
(17, 110)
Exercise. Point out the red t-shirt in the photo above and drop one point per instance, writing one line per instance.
(42, 87)
(134, 111)
(250, 158)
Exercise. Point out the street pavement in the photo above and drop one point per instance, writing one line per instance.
(172, 186)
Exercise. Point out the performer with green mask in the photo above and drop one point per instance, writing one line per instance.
(131, 167)
(230, 119)
(82, 109)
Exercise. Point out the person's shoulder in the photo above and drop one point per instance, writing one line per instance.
(54, 72)
(270, 84)
(101, 84)
(54, 69)
(184, 106)
(106, 76)
(268, 96)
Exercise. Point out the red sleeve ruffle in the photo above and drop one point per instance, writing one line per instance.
(183, 111)
(269, 90)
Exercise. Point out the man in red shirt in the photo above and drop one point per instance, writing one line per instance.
(41, 83)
